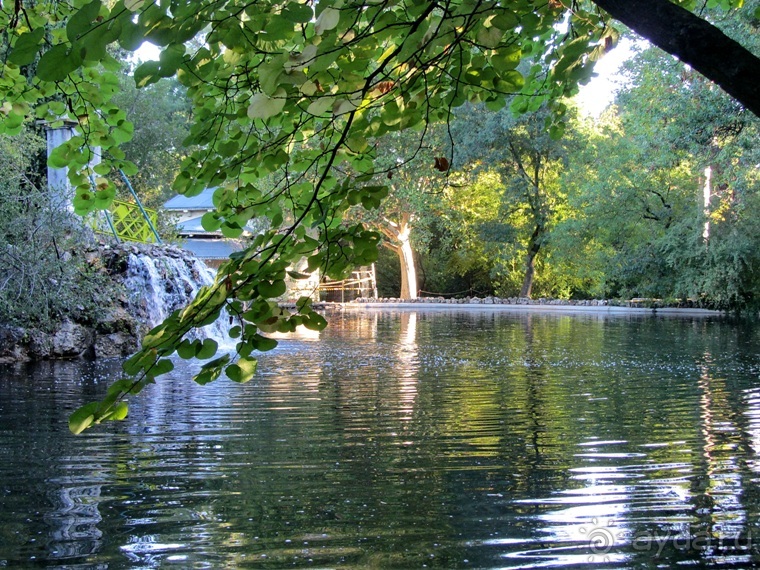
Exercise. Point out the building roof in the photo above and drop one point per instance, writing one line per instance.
(193, 226)
(211, 248)
(203, 201)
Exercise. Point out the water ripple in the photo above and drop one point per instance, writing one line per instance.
(402, 440)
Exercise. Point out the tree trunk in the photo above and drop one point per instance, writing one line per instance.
(534, 245)
(408, 270)
(694, 41)
(398, 234)
(530, 269)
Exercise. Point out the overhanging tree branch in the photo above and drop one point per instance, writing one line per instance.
(694, 41)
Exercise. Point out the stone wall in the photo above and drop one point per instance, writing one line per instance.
(115, 333)
(631, 303)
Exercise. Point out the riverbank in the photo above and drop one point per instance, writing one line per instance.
(633, 307)
(146, 283)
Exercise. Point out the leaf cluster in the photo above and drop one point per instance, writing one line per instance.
(286, 96)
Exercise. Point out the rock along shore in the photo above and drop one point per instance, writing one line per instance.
(633, 306)
(117, 330)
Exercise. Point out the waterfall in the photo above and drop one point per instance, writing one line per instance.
(167, 280)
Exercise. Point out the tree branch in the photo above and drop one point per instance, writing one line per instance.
(694, 41)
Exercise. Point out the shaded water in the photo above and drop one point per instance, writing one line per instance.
(404, 440)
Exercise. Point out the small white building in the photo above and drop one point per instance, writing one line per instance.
(211, 247)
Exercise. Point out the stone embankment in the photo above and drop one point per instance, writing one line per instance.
(116, 331)
(632, 303)
(632, 306)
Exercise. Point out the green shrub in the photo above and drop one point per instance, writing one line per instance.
(44, 274)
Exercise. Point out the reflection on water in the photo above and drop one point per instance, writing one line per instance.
(403, 439)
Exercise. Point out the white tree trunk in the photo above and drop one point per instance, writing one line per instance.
(408, 270)
(398, 234)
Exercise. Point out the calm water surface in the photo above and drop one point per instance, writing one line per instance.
(404, 440)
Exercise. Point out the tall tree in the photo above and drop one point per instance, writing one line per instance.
(638, 189)
(707, 250)
(161, 114)
(528, 160)
(413, 176)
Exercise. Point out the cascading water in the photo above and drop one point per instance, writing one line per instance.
(164, 281)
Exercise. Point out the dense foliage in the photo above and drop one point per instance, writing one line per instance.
(161, 115)
(44, 276)
(638, 190)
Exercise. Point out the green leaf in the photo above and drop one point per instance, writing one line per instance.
(119, 412)
(279, 28)
(228, 148)
(505, 21)
(320, 106)
(129, 168)
(60, 157)
(557, 131)
(507, 59)
(103, 169)
(272, 290)
(205, 377)
(315, 322)
(82, 20)
(327, 20)
(271, 72)
(172, 57)
(490, 37)
(187, 349)
(133, 5)
(155, 336)
(157, 25)
(26, 47)
(211, 222)
(212, 370)
(132, 36)
(138, 361)
(243, 370)
(56, 63)
(206, 349)
(298, 275)
(230, 230)
(125, 385)
(83, 418)
(298, 13)
(263, 343)
(262, 106)
(163, 366)
(147, 73)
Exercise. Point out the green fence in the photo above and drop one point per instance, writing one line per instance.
(128, 222)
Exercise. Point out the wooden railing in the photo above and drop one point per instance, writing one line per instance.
(361, 284)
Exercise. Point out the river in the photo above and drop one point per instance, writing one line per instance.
(403, 439)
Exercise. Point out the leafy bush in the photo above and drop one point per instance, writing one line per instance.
(44, 275)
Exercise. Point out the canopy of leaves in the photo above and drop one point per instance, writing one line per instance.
(161, 114)
(637, 191)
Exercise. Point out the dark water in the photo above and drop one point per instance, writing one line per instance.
(404, 440)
